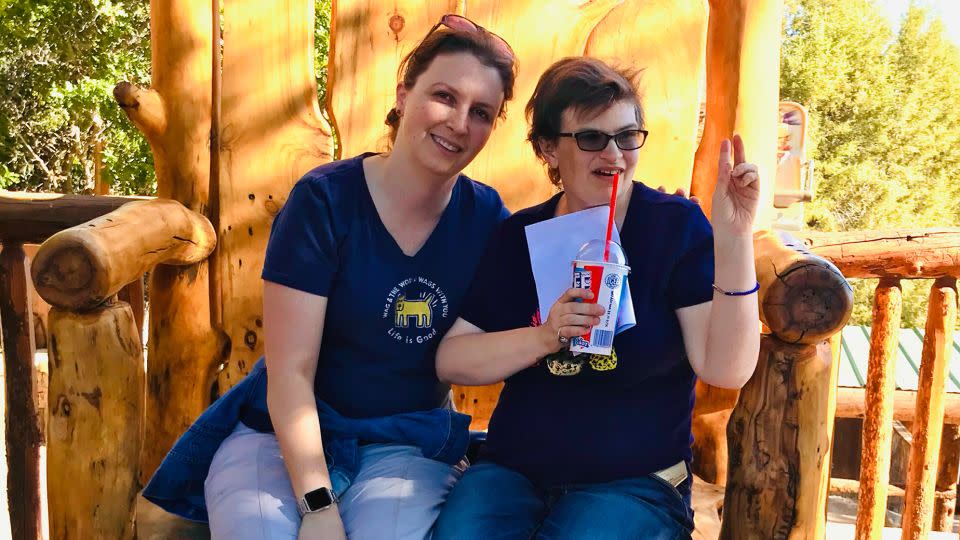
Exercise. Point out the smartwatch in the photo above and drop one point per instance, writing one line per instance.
(316, 500)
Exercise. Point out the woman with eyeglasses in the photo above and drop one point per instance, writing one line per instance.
(344, 428)
(583, 446)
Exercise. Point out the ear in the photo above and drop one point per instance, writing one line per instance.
(548, 147)
(401, 97)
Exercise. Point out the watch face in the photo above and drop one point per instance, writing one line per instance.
(318, 499)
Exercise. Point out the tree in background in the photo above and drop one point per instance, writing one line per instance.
(59, 62)
(884, 123)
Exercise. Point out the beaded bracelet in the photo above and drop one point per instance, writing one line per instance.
(737, 293)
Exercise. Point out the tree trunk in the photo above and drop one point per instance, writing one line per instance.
(96, 422)
(184, 349)
(743, 88)
(272, 133)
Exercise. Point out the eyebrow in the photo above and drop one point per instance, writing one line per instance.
(631, 125)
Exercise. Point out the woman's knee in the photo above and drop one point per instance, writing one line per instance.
(397, 493)
(489, 502)
(247, 491)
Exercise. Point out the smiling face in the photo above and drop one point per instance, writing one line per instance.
(448, 114)
(587, 177)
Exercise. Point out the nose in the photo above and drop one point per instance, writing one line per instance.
(459, 120)
(611, 152)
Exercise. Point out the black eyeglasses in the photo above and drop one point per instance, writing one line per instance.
(463, 24)
(595, 141)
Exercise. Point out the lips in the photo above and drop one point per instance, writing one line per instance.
(446, 144)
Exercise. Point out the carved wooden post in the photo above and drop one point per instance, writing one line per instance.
(96, 422)
(878, 420)
(928, 427)
(22, 424)
(778, 434)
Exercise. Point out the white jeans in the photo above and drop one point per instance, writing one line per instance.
(397, 493)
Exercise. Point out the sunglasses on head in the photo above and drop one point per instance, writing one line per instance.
(463, 24)
(594, 141)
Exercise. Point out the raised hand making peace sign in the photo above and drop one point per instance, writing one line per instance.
(737, 192)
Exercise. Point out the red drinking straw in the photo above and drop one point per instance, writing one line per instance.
(613, 209)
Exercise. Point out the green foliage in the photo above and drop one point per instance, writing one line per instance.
(59, 61)
(884, 123)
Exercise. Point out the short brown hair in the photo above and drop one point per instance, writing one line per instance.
(449, 41)
(587, 85)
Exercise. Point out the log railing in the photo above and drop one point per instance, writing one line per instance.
(90, 270)
(932, 470)
(29, 218)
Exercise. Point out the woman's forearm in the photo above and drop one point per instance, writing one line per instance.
(733, 338)
(485, 358)
(293, 411)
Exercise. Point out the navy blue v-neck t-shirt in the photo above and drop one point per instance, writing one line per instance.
(386, 311)
(609, 417)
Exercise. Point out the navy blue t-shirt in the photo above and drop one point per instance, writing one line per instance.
(386, 311)
(609, 417)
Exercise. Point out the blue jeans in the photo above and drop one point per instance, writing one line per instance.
(492, 502)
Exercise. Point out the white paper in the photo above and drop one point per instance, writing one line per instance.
(553, 245)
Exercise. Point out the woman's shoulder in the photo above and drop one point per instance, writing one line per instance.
(484, 199)
(663, 202)
(334, 175)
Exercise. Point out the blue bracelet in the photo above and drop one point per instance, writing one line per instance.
(737, 293)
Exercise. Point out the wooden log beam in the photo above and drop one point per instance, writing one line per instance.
(948, 467)
(851, 404)
(23, 437)
(928, 427)
(31, 218)
(96, 422)
(778, 441)
(903, 253)
(83, 266)
(878, 423)
(803, 297)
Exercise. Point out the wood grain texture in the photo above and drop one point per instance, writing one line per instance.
(901, 253)
(272, 133)
(96, 423)
(672, 83)
(83, 266)
(803, 297)
(175, 115)
(778, 444)
(743, 90)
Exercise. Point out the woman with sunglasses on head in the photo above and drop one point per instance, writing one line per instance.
(344, 428)
(583, 446)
